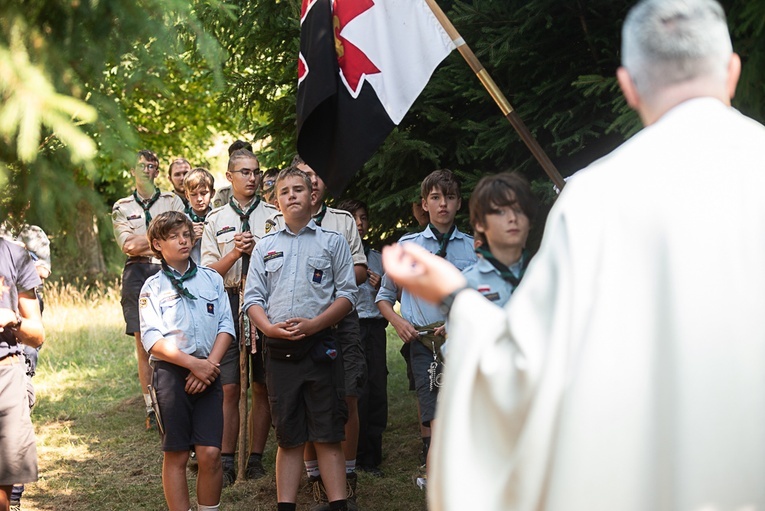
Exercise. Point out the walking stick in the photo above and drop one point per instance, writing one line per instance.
(499, 98)
(244, 373)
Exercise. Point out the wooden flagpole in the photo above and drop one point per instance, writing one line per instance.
(244, 375)
(507, 110)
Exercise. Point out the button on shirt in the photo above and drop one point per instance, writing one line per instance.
(191, 325)
(485, 278)
(299, 275)
(365, 304)
(128, 218)
(222, 225)
(419, 313)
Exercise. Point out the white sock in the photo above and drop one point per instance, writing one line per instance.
(350, 466)
(312, 468)
(216, 507)
(147, 400)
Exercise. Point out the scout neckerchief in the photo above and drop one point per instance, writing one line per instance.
(443, 239)
(147, 204)
(196, 218)
(504, 271)
(178, 282)
(367, 248)
(186, 204)
(320, 215)
(244, 215)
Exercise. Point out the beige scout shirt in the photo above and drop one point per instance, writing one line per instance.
(340, 221)
(221, 197)
(218, 237)
(128, 217)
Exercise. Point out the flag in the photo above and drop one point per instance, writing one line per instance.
(361, 66)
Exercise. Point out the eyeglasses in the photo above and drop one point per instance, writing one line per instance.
(246, 173)
(268, 183)
(150, 166)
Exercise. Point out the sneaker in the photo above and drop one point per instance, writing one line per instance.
(255, 469)
(151, 421)
(421, 482)
(15, 505)
(229, 475)
(319, 494)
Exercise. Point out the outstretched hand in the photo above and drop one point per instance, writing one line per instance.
(423, 274)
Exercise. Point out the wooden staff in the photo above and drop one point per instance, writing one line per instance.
(504, 105)
(244, 373)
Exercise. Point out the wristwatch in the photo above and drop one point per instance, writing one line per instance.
(446, 303)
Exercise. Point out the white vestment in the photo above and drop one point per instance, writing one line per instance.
(627, 373)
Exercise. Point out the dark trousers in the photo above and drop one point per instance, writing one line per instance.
(373, 401)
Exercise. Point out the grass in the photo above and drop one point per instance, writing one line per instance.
(94, 453)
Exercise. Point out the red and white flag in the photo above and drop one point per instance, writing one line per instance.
(362, 65)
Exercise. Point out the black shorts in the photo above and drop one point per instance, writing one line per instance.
(348, 335)
(188, 419)
(405, 351)
(307, 400)
(229, 364)
(133, 277)
(422, 357)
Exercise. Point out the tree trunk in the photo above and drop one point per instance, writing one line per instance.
(88, 243)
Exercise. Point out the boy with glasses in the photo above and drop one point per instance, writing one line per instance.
(231, 232)
(130, 218)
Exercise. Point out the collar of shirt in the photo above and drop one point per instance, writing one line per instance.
(428, 233)
(310, 225)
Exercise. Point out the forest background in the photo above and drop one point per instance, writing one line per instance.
(84, 84)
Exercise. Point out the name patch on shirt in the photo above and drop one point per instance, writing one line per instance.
(210, 308)
(272, 255)
(317, 275)
(491, 296)
(228, 228)
(134, 217)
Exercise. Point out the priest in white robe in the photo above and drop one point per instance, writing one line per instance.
(627, 373)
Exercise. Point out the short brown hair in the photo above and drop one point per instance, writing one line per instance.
(293, 171)
(352, 206)
(239, 154)
(162, 224)
(442, 180)
(500, 190)
(197, 178)
(175, 162)
(147, 155)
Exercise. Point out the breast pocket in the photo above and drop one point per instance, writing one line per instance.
(320, 270)
(175, 320)
(461, 264)
(226, 242)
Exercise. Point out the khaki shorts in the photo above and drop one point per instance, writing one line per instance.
(18, 451)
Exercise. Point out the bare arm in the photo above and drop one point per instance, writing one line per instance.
(31, 331)
(136, 244)
(404, 329)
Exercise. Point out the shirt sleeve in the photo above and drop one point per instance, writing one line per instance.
(226, 318)
(122, 228)
(209, 248)
(345, 279)
(150, 316)
(388, 291)
(255, 289)
(27, 277)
